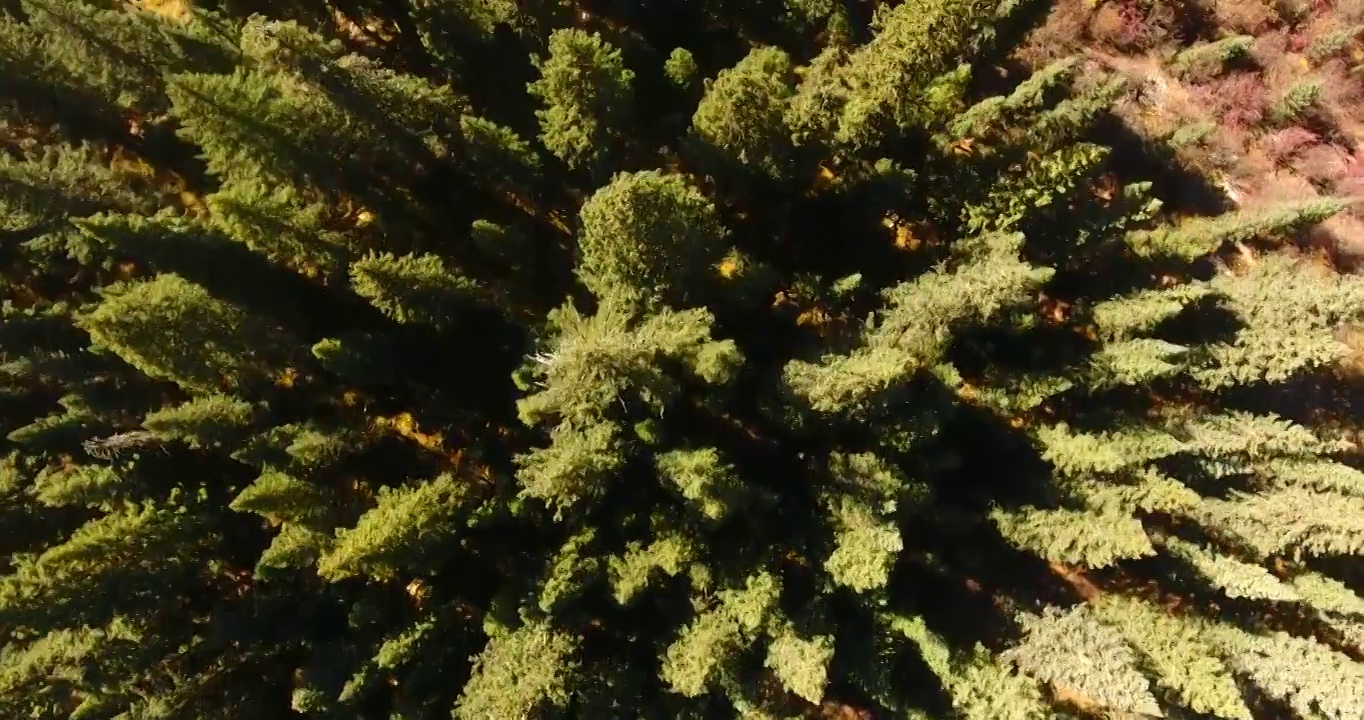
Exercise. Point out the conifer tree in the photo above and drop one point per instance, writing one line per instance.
(340, 381)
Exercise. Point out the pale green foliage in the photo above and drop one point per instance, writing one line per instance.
(1071, 649)
(1328, 594)
(1134, 362)
(299, 446)
(993, 112)
(915, 327)
(415, 289)
(1080, 454)
(280, 498)
(519, 673)
(1085, 538)
(499, 152)
(1189, 134)
(1038, 182)
(41, 192)
(599, 361)
(406, 523)
(1333, 42)
(1205, 60)
(811, 113)
(980, 688)
(46, 667)
(1197, 237)
(869, 479)
(1179, 652)
(715, 636)
(1070, 118)
(281, 224)
(1296, 100)
(577, 464)
(356, 123)
(398, 650)
(633, 572)
(112, 55)
(1315, 474)
(294, 548)
(741, 113)
(1290, 315)
(1147, 490)
(131, 546)
(1254, 437)
(570, 569)
(1141, 312)
(207, 421)
(757, 447)
(214, 345)
(444, 26)
(587, 92)
(93, 486)
(649, 237)
(802, 664)
(703, 478)
(865, 546)
(915, 44)
(1290, 520)
(1235, 578)
(680, 68)
(1309, 677)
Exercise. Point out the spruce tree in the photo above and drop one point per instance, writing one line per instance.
(341, 381)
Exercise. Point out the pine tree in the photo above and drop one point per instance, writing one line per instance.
(338, 380)
(587, 92)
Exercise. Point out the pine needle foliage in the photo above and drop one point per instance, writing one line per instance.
(487, 360)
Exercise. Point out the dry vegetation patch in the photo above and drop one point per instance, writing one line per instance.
(1262, 98)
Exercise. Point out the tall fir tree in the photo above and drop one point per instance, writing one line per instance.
(411, 360)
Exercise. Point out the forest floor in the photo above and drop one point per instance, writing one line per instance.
(1276, 113)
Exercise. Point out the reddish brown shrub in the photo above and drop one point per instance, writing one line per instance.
(1127, 26)
(1351, 180)
(1298, 41)
(1348, 12)
(1341, 93)
(1238, 100)
(1270, 49)
(1281, 145)
(1324, 165)
(1061, 35)
(1250, 17)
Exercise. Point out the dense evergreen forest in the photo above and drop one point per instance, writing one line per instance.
(658, 359)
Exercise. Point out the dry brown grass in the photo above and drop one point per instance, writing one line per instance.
(1063, 34)
(1131, 25)
(1239, 99)
(1251, 157)
(1281, 146)
(1247, 17)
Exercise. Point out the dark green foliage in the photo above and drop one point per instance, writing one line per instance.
(819, 369)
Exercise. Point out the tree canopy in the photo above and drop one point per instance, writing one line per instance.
(487, 360)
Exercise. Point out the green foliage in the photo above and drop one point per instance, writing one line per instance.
(519, 673)
(1296, 101)
(402, 525)
(741, 113)
(213, 348)
(1074, 650)
(413, 288)
(1206, 60)
(204, 422)
(862, 378)
(588, 95)
(681, 68)
(648, 237)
